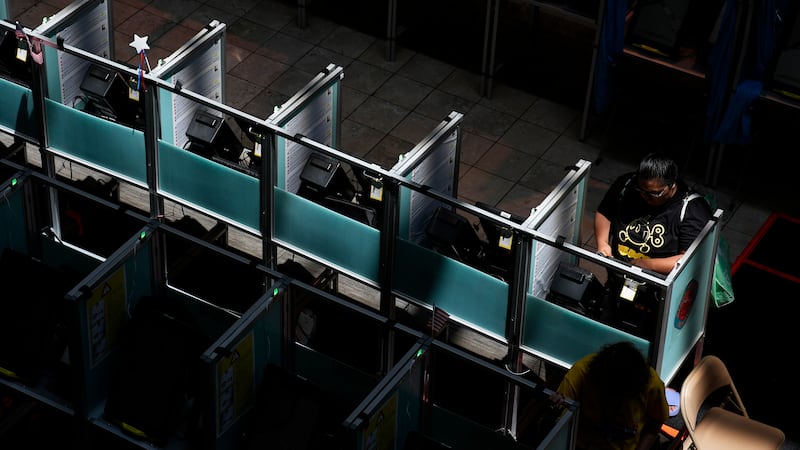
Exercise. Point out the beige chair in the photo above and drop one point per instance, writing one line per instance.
(720, 424)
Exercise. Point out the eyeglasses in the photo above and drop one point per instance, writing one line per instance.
(654, 194)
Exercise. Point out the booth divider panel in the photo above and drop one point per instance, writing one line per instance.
(685, 318)
(12, 217)
(115, 296)
(109, 145)
(458, 432)
(17, 111)
(340, 240)
(33, 290)
(435, 168)
(196, 68)
(409, 401)
(561, 439)
(234, 389)
(333, 376)
(461, 290)
(67, 257)
(209, 185)
(87, 29)
(393, 408)
(567, 336)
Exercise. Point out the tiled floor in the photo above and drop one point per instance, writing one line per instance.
(515, 143)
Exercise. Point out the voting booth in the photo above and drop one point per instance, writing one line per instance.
(204, 251)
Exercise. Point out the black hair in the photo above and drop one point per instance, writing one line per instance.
(619, 370)
(657, 166)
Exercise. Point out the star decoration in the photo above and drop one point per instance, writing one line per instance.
(139, 43)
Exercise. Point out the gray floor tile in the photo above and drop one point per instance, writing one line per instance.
(238, 8)
(387, 152)
(477, 185)
(520, 200)
(347, 41)
(319, 58)
(379, 114)
(551, 115)
(426, 70)
(351, 100)
(567, 150)
(259, 70)
(544, 176)
(358, 139)
(464, 84)
(202, 16)
(376, 55)
(247, 34)
(174, 10)
(284, 48)
(291, 81)
(274, 15)
(473, 147)
(414, 127)
(264, 103)
(529, 138)
(509, 100)
(506, 162)
(365, 77)
(315, 31)
(488, 123)
(403, 91)
(239, 92)
(439, 104)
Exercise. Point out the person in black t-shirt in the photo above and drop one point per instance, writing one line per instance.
(642, 220)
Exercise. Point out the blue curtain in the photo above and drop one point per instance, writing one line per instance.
(612, 40)
(719, 68)
(735, 125)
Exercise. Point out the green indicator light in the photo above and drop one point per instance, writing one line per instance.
(275, 292)
(419, 353)
(13, 181)
(142, 235)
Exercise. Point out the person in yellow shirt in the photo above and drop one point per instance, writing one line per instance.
(622, 400)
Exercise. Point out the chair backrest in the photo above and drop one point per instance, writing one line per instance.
(705, 379)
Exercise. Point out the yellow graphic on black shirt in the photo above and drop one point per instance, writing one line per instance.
(639, 238)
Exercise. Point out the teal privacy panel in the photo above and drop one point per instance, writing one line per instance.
(254, 343)
(102, 315)
(12, 218)
(410, 396)
(393, 408)
(686, 311)
(58, 254)
(236, 379)
(209, 186)
(96, 141)
(333, 376)
(462, 291)
(567, 336)
(341, 241)
(458, 432)
(561, 435)
(17, 111)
